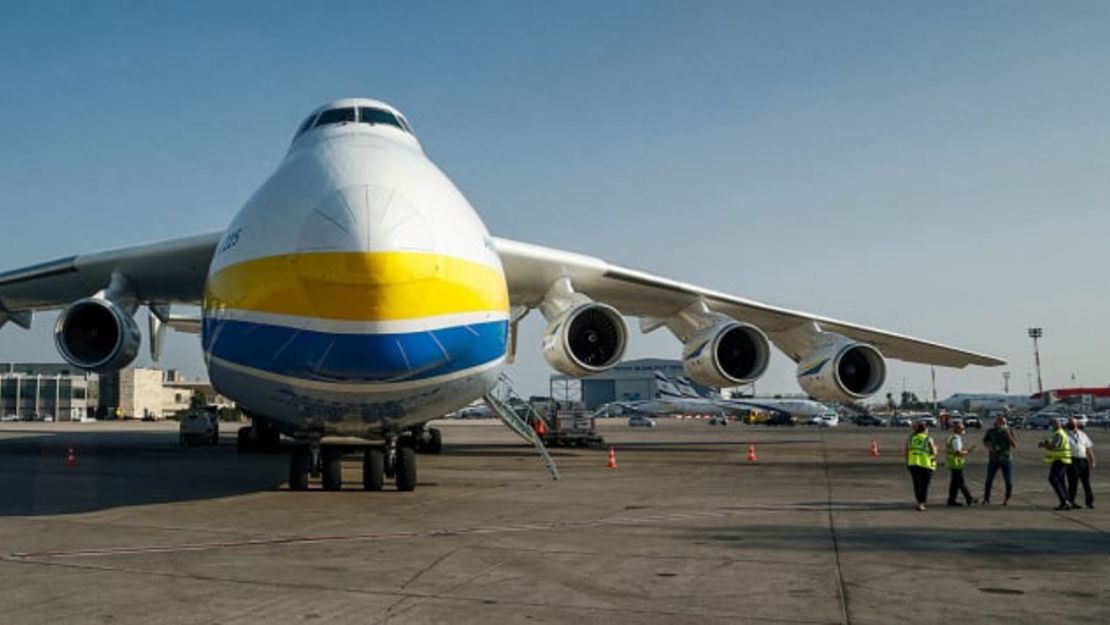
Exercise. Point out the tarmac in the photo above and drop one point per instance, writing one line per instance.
(684, 530)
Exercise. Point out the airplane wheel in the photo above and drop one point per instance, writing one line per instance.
(243, 440)
(406, 468)
(435, 443)
(298, 469)
(373, 469)
(332, 474)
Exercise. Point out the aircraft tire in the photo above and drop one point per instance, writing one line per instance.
(406, 468)
(243, 440)
(298, 469)
(373, 469)
(332, 473)
(435, 443)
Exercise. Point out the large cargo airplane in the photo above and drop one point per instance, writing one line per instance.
(357, 293)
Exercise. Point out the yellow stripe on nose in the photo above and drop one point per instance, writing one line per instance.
(359, 286)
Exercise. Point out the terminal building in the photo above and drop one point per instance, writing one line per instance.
(46, 391)
(630, 380)
(62, 392)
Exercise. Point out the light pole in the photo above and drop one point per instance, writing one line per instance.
(1006, 382)
(1036, 333)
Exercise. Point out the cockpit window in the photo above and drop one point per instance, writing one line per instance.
(377, 116)
(305, 126)
(335, 116)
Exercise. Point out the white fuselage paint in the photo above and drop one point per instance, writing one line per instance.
(356, 291)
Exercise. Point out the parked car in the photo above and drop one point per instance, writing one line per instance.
(866, 420)
(1042, 421)
(901, 420)
(826, 420)
(1099, 420)
(973, 421)
(718, 421)
(640, 421)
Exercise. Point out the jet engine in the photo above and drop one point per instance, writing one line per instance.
(97, 334)
(842, 370)
(727, 353)
(585, 339)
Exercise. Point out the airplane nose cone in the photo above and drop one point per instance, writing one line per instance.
(365, 218)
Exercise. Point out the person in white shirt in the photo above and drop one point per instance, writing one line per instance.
(1082, 461)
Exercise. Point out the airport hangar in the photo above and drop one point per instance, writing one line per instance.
(631, 380)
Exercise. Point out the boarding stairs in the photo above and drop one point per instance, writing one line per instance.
(518, 415)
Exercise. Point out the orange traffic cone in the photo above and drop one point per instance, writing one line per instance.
(612, 464)
(751, 452)
(874, 448)
(71, 457)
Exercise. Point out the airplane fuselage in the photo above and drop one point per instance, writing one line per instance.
(356, 291)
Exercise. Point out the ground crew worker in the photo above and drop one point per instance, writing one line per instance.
(955, 458)
(1000, 442)
(1057, 454)
(921, 460)
(1082, 461)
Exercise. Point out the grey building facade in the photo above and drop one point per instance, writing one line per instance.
(45, 390)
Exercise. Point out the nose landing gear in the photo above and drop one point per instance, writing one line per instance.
(395, 459)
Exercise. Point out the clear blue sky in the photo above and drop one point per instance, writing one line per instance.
(939, 169)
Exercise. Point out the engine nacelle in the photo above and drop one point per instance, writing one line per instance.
(842, 370)
(585, 339)
(727, 353)
(97, 334)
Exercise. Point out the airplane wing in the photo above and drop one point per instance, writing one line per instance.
(532, 269)
(164, 272)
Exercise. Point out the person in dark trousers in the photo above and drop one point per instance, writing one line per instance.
(955, 458)
(1082, 461)
(921, 460)
(1057, 454)
(1000, 443)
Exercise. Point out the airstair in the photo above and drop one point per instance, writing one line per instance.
(518, 414)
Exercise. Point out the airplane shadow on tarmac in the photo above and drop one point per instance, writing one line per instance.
(124, 469)
(984, 542)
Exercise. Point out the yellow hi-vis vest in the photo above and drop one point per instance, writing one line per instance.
(919, 455)
(952, 459)
(1062, 453)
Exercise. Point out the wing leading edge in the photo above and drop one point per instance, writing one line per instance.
(164, 272)
(532, 269)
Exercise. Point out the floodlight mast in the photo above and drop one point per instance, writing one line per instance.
(1036, 333)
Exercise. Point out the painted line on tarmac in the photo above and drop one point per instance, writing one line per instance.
(373, 536)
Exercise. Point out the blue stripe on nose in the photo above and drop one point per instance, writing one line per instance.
(336, 357)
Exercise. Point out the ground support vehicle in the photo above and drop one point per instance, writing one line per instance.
(568, 428)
